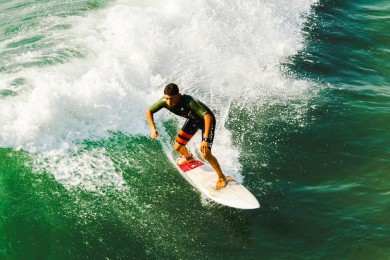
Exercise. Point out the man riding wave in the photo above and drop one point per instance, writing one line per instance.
(198, 116)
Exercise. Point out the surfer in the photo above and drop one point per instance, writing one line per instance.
(198, 116)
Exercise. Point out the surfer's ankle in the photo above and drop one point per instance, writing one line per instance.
(190, 158)
(183, 160)
(222, 177)
(221, 183)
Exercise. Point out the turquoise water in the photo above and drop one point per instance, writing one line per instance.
(300, 90)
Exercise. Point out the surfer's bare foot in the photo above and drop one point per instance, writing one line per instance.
(230, 178)
(221, 183)
(183, 160)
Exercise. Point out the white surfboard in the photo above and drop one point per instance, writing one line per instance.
(203, 178)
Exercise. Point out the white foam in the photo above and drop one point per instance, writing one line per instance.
(83, 169)
(215, 50)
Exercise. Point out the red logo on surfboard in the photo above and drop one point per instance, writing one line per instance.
(190, 166)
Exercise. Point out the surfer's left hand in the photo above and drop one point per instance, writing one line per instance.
(221, 183)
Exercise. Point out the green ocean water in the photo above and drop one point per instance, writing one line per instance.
(302, 105)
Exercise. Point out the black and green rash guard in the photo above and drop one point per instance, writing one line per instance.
(187, 107)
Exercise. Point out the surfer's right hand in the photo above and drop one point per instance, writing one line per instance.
(153, 134)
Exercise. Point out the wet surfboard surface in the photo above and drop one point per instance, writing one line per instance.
(203, 178)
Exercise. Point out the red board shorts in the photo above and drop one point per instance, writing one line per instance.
(190, 127)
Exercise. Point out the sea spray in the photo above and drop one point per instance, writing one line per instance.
(115, 62)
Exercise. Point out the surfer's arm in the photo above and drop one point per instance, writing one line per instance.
(149, 116)
(153, 129)
(208, 120)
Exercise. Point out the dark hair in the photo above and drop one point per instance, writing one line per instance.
(171, 89)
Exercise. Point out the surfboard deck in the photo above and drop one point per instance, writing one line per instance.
(203, 178)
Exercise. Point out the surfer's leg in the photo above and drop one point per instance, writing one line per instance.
(182, 150)
(210, 158)
(186, 156)
(184, 136)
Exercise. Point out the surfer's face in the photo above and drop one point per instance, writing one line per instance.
(172, 100)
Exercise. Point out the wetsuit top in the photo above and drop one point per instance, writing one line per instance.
(187, 107)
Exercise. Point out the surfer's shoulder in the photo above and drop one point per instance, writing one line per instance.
(158, 105)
